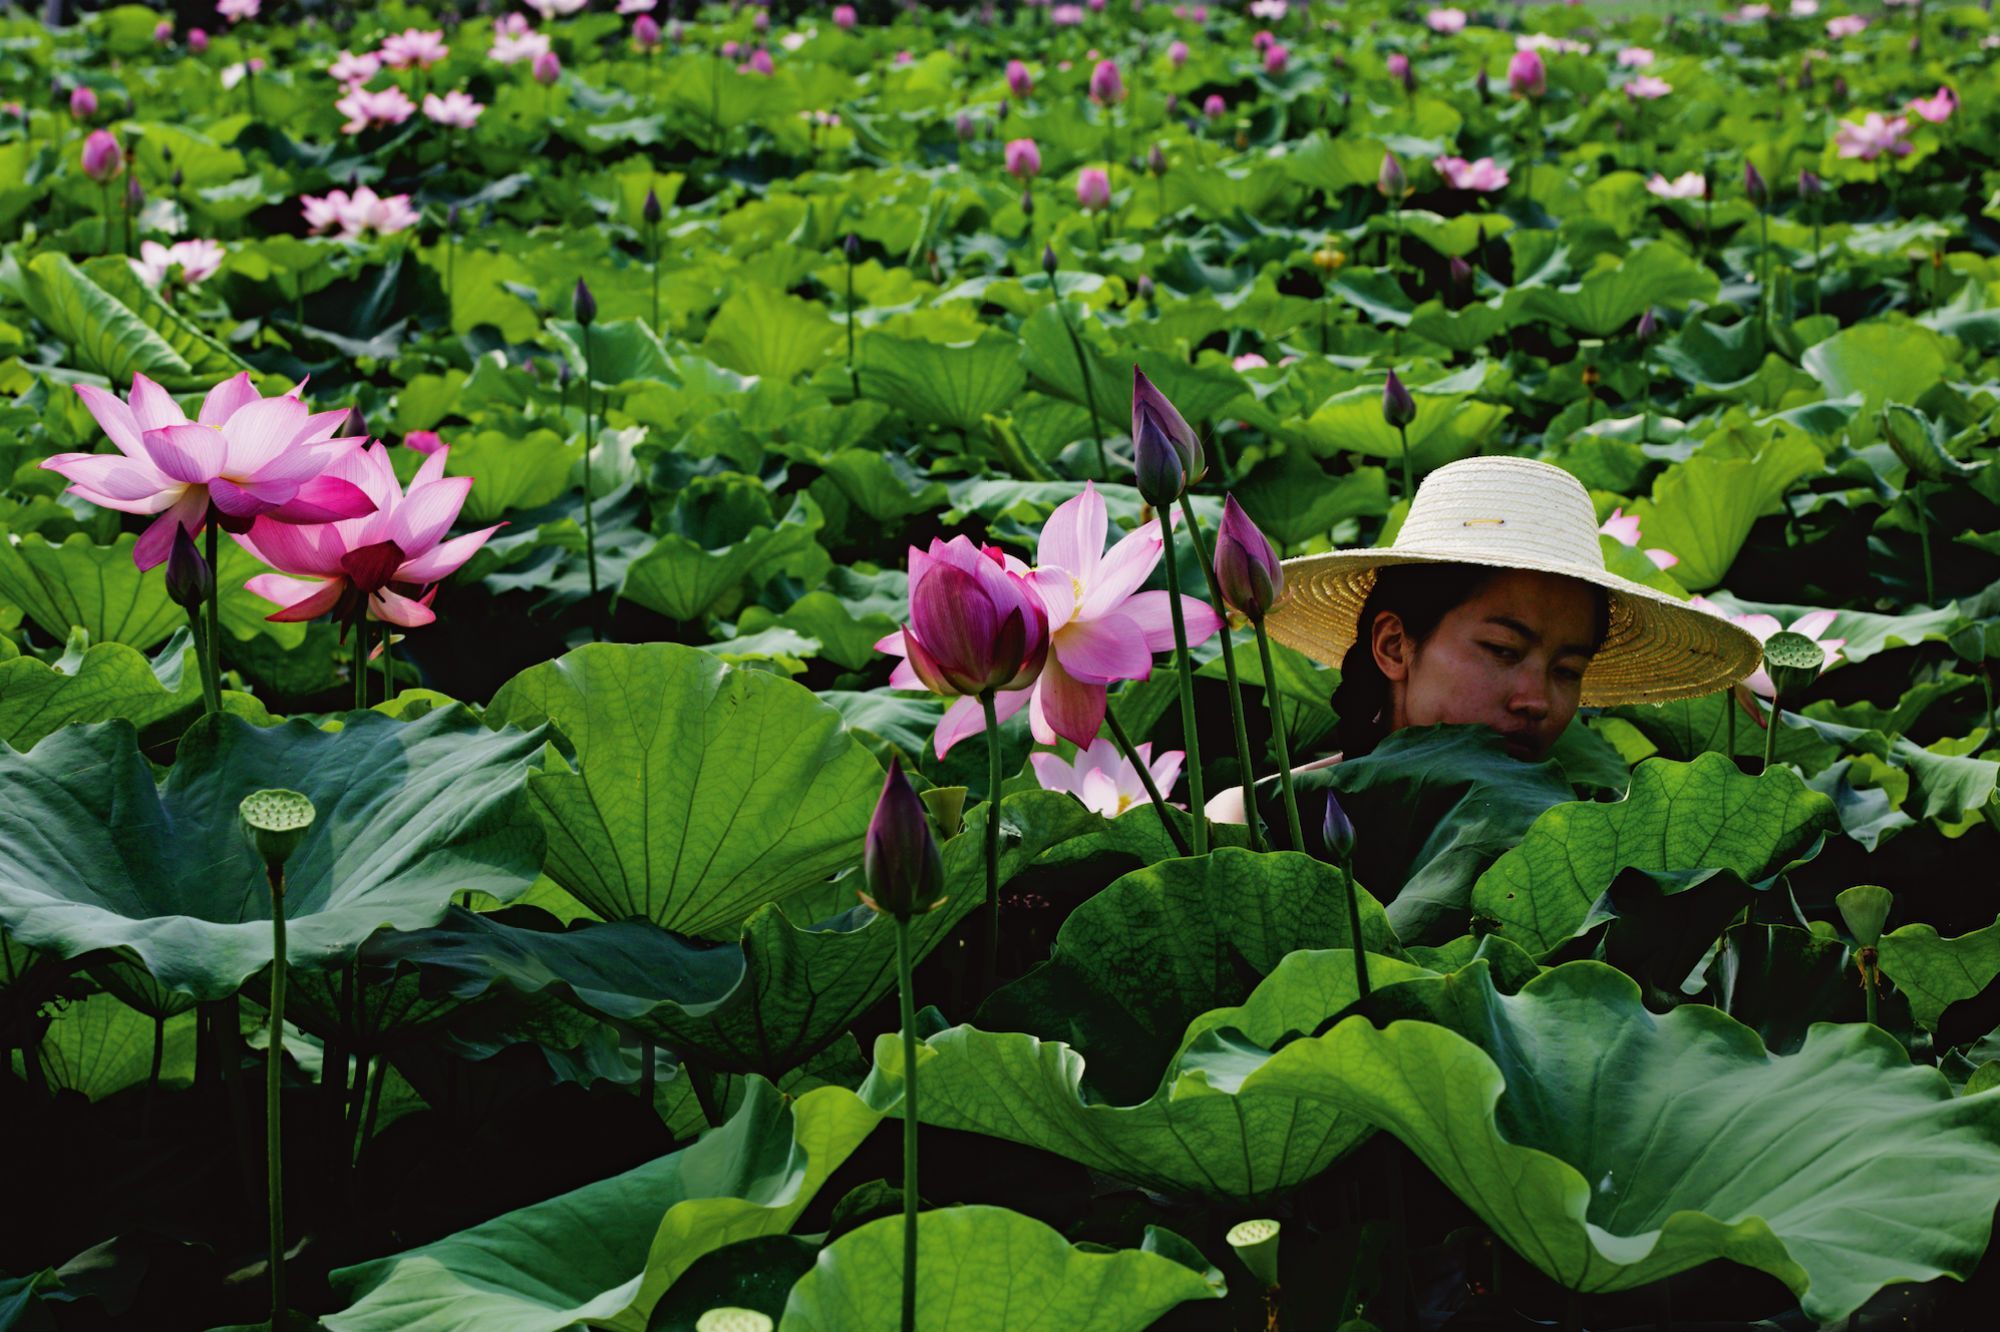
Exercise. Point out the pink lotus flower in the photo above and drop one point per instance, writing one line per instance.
(1101, 627)
(1936, 108)
(187, 262)
(352, 70)
(385, 564)
(1635, 57)
(1623, 528)
(1066, 16)
(1846, 25)
(102, 157)
(1024, 159)
(234, 74)
(1019, 81)
(643, 7)
(549, 9)
(1105, 780)
(1249, 361)
(645, 32)
(1749, 14)
(455, 109)
(1687, 185)
(1105, 85)
(363, 109)
(1398, 66)
(82, 102)
(1177, 53)
(1213, 106)
(1803, 8)
(361, 214)
(245, 457)
(1874, 136)
(238, 10)
(163, 31)
(844, 16)
(975, 623)
(1276, 57)
(1446, 21)
(413, 47)
(1812, 625)
(1481, 177)
(758, 63)
(547, 67)
(513, 48)
(198, 40)
(1526, 75)
(1272, 11)
(1647, 87)
(423, 441)
(1093, 189)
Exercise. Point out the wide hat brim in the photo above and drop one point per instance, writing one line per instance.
(1658, 649)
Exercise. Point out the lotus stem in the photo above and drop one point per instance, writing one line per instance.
(1924, 544)
(1125, 747)
(1729, 718)
(1771, 732)
(990, 969)
(1197, 805)
(908, 1008)
(1409, 487)
(1764, 263)
(1249, 772)
(210, 703)
(1082, 364)
(853, 375)
(653, 244)
(213, 657)
(273, 1085)
(388, 662)
(646, 1072)
(1276, 704)
(589, 512)
(1818, 260)
(1354, 930)
(360, 663)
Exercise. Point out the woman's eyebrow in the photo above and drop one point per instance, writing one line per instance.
(1566, 650)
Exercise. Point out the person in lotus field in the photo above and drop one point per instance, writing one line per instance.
(1492, 606)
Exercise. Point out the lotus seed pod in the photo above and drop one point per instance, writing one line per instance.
(1793, 662)
(276, 821)
(1864, 909)
(1256, 1243)
(730, 1319)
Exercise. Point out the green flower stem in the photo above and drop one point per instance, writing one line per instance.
(990, 970)
(1082, 364)
(388, 662)
(273, 1078)
(1249, 772)
(361, 664)
(1771, 732)
(210, 703)
(1197, 805)
(1924, 544)
(1868, 990)
(1278, 736)
(909, 1015)
(653, 244)
(1729, 714)
(853, 375)
(1125, 747)
(1764, 262)
(1819, 258)
(213, 657)
(1409, 487)
(1354, 931)
(589, 514)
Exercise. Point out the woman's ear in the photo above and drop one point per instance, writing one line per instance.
(1391, 647)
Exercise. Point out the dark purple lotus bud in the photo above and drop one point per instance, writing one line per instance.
(1153, 414)
(851, 247)
(586, 304)
(1027, 201)
(1156, 161)
(899, 858)
(1461, 276)
(1805, 75)
(1049, 260)
(1811, 187)
(190, 582)
(1246, 568)
(1336, 831)
(1754, 187)
(1390, 179)
(964, 127)
(1484, 88)
(650, 210)
(1000, 111)
(1398, 407)
(135, 198)
(1156, 469)
(1838, 89)
(451, 219)
(177, 177)
(1144, 287)
(1649, 327)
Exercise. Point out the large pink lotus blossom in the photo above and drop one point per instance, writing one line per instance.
(549, 9)
(413, 46)
(244, 457)
(389, 561)
(1687, 185)
(1936, 108)
(1635, 57)
(185, 262)
(1623, 528)
(517, 44)
(391, 106)
(361, 214)
(1812, 624)
(844, 17)
(975, 623)
(238, 10)
(1846, 25)
(1105, 780)
(1481, 177)
(455, 109)
(1874, 136)
(1647, 88)
(1445, 20)
(1101, 627)
(351, 69)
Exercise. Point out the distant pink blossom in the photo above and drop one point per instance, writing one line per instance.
(1271, 11)
(1481, 177)
(549, 9)
(82, 102)
(1687, 185)
(1066, 16)
(361, 214)
(102, 157)
(413, 47)
(189, 262)
(1812, 625)
(352, 69)
(234, 74)
(1874, 136)
(1846, 25)
(197, 40)
(1093, 189)
(844, 16)
(1804, 8)
(1634, 57)
(1105, 85)
(1019, 81)
(1276, 57)
(238, 10)
(1213, 106)
(163, 31)
(636, 6)
(1248, 361)
(455, 109)
(547, 67)
(1647, 88)
(1526, 75)
(1177, 53)
(513, 48)
(1023, 158)
(364, 109)
(645, 32)
(1105, 780)
(1936, 108)
(758, 63)
(1623, 528)
(1445, 20)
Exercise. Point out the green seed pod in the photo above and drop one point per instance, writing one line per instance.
(1793, 662)
(1256, 1243)
(726, 1318)
(276, 821)
(1864, 909)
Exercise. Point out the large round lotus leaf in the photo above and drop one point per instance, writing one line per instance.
(1678, 817)
(701, 791)
(986, 1269)
(94, 855)
(764, 1005)
(1611, 1146)
(97, 1045)
(607, 1252)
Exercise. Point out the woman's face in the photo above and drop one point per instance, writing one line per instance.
(1512, 657)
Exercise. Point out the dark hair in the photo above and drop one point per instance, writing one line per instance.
(1420, 595)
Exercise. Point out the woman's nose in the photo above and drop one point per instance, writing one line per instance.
(1530, 697)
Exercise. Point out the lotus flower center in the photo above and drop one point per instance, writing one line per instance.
(1125, 802)
(1075, 599)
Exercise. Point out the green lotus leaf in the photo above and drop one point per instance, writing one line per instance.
(624, 353)
(1936, 972)
(1133, 965)
(1779, 980)
(1703, 509)
(97, 1046)
(1650, 276)
(1677, 818)
(1690, 727)
(684, 579)
(986, 1269)
(700, 791)
(108, 680)
(94, 855)
(102, 334)
(100, 590)
(1882, 362)
(945, 385)
(1611, 1146)
(208, 360)
(514, 470)
(763, 332)
(606, 1252)
(1447, 427)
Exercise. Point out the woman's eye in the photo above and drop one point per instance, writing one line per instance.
(1503, 652)
(1569, 675)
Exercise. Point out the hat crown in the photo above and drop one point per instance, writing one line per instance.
(1503, 510)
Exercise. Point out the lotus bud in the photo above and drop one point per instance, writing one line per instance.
(1256, 1243)
(851, 247)
(547, 68)
(1105, 84)
(1483, 86)
(177, 178)
(1398, 407)
(1811, 187)
(899, 858)
(1093, 189)
(1213, 106)
(1336, 831)
(1049, 260)
(82, 102)
(1754, 187)
(1144, 288)
(1399, 70)
(1793, 662)
(1000, 111)
(586, 304)
(275, 821)
(451, 219)
(1027, 201)
(1156, 469)
(1838, 89)
(190, 582)
(102, 157)
(197, 40)
(1153, 414)
(135, 198)
(1390, 180)
(1461, 276)
(1864, 909)
(1156, 161)
(1649, 327)
(1805, 75)
(1019, 81)
(645, 32)
(1526, 75)
(1247, 569)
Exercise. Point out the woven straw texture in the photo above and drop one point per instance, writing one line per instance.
(1515, 513)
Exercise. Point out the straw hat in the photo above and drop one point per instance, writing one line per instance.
(1514, 513)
